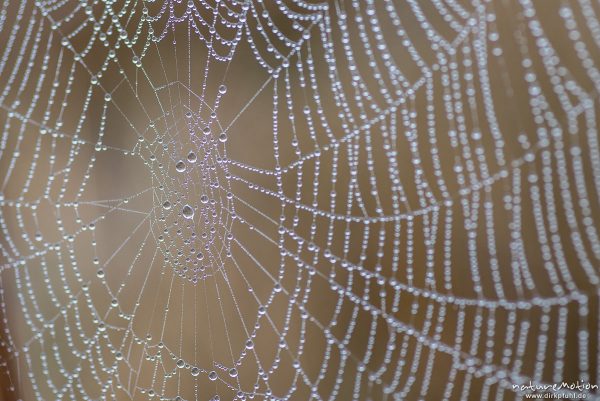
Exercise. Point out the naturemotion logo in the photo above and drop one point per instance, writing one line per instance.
(561, 391)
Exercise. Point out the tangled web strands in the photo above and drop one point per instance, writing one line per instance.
(293, 200)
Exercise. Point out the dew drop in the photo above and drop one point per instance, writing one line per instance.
(204, 199)
(180, 363)
(192, 157)
(180, 166)
(206, 130)
(188, 212)
(233, 372)
(195, 371)
(119, 355)
(167, 205)
(249, 344)
(212, 375)
(222, 89)
(100, 273)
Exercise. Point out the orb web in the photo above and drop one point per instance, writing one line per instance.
(291, 200)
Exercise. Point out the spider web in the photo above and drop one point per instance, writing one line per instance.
(294, 200)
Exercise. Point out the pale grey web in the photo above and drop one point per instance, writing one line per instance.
(299, 200)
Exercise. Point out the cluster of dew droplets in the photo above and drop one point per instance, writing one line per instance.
(194, 194)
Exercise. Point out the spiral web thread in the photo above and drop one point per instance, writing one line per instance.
(420, 222)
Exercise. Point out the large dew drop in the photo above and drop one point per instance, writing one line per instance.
(188, 212)
(180, 166)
